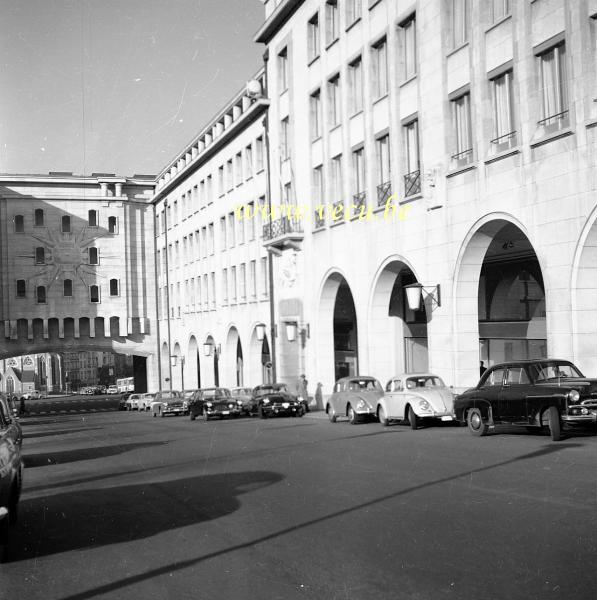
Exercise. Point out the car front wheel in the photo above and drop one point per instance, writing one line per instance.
(331, 414)
(474, 420)
(555, 425)
(413, 419)
(381, 415)
(353, 418)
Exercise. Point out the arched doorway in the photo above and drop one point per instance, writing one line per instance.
(337, 340)
(193, 365)
(167, 384)
(500, 300)
(397, 335)
(178, 364)
(211, 363)
(266, 362)
(233, 363)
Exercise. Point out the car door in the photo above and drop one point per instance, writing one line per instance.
(512, 401)
(394, 399)
(491, 388)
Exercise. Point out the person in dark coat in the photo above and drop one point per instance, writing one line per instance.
(482, 368)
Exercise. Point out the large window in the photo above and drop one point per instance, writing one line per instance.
(354, 10)
(283, 70)
(409, 47)
(355, 86)
(334, 101)
(380, 69)
(412, 177)
(38, 219)
(332, 21)
(504, 135)
(40, 293)
(384, 177)
(21, 288)
(554, 88)
(459, 22)
(67, 288)
(499, 9)
(40, 255)
(315, 110)
(463, 137)
(65, 222)
(313, 39)
(19, 222)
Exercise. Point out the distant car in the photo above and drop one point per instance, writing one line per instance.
(275, 399)
(167, 403)
(32, 395)
(113, 389)
(416, 397)
(145, 402)
(213, 402)
(245, 396)
(132, 402)
(11, 470)
(355, 398)
(546, 393)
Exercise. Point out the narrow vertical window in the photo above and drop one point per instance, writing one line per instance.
(94, 294)
(41, 294)
(259, 153)
(67, 288)
(315, 110)
(384, 177)
(463, 137)
(459, 22)
(93, 256)
(92, 218)
(253, 278)
(380, 69)
(318, 194)
(554, 87)
(249, 162)
(332, 21)
(355, 85)
(359, 195)
(313, 41)
(409, 47)
(337, 192)
(499, 9)
(334, 101)
(114, 287)
(38, 219)
(353, 11)
(285, 138)
(238, 168)
(65, 222)
(40, 255)
(225, 286)
(242, 281)
(412, 177)
(283, 70)
(21, 288)
(504, 134)
(19, 222)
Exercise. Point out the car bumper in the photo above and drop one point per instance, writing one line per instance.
(580, 419)
(280, 410)
(223, 413)
(173, 411)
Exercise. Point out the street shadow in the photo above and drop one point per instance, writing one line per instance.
(92, 518)
(45, 459)
(41, 434)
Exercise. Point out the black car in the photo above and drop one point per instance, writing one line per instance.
(214, 402)
(532, 393)
(274, 399)
(122, 400)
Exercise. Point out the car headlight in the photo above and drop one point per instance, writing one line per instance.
(573, 396)
(424, 405)
(231, 406)
(299, 399)
(239, 402)
(362, 404)
(185, 404)
(208, 404)
(266, 401)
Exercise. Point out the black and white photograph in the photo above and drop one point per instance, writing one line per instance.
(298, 299)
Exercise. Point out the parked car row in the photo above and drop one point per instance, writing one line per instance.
(536, 394)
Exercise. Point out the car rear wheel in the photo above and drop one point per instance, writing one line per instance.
(192, 417)
(353, 418)
(413, 419)
(555, 424)
(331, 414)
(262, 415)
(474, 420)
(381, 415)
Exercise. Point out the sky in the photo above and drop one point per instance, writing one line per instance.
(117, 86)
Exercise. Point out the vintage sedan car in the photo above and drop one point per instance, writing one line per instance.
(167, 403)
(532, 393)
(32, 395)
(11, 470)
(112, 389)
(274, 399)
(187, 396)
(144, 402)
(354, 397)
(132, 402)
(245, 396)
(214, 402)
(418, 397)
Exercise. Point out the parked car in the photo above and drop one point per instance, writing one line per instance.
(244, 395)
(145, 401)
(132, 402)
(187, 396)
(531, 393)
(167, 403)
(213, 402)
(32, 395)
(112, 389)
(11, 470)
(274, 399)
(419, 397)
(355, 398)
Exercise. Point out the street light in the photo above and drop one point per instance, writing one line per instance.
(415, 292)
(210, 348)
(293, 329)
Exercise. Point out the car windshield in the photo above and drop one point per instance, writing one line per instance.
(364, 385)
(188, 393)
(212, 393)
(271, 389)
(241, 392)
(169, 395)
(424, 381)
(555, 370)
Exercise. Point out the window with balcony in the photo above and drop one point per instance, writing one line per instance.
(114, 287)
(554, 88)
(412, 177)
(334, 101)
(19, 223)
(463, 137)
(354, 10)
(504, 134)
(359, 186)
(459, 22)
(384, 177)
(40, 293)
(379, 65)
(499, 10)
(408, 30)
(40, 255)
(283, 70)
(355, 86)
(92, 218)
(332, 21)
(38, 217)
(315, 114)
(21, 288)
(313, 37)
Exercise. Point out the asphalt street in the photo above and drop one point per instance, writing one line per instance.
(121, 505)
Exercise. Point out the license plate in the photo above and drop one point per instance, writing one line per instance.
(225, 412)
(448, 418)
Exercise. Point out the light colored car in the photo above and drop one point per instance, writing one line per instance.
(132, 402)
(418, 397)
(32, 395)
(167, 403)
(355, 398)
(145, 401)
(245, 396)
(113, 389)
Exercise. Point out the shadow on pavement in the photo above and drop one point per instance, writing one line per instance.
(44, 459)
(97, 517)
(40, 434)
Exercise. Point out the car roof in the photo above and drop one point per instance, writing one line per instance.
(405, 375)
(356, 378)
(530, 361)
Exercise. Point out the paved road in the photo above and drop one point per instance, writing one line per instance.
(82, 403)
(124, 506)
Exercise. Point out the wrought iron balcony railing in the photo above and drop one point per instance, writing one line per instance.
(554, 119)
(384, 191)
(359, 202)
(412, 183)
(281, 227)
(319, 218)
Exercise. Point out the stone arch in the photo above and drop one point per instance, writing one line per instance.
(193, 365)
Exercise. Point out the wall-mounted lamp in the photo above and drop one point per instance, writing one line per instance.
(415, 292)
(177, 360)
(293, 329)
(260, 331)
(210, 348)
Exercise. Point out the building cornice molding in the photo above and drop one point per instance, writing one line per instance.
(276, 20)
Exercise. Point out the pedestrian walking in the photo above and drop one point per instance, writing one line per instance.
(319, 395)
(482, 368)
(303, 391)
(22, 409)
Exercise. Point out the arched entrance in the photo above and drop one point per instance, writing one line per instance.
(166, 383)
(499, 300)
(266, 362)
(178, 364)
(211, 363)
(193, 366)
(233, 363)
(337, 340)
(397, 335)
